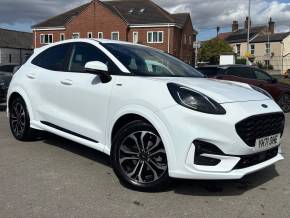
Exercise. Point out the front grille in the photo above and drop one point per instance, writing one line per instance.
(251, 160)
(260, 126)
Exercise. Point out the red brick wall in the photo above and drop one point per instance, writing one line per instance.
(97, 18)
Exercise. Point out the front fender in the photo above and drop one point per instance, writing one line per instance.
(153, 119)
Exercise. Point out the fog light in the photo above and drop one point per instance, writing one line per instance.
(202, 148)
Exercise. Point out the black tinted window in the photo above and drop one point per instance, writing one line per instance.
(243, 72)
(209, 71)
(261, 75)
(7, 68)
(83, 53)
(53, 58)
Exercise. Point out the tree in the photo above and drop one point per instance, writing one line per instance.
(211, 50)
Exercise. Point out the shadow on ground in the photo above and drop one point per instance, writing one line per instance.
(184, 187)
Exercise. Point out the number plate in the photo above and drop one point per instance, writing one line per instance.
(268, 142)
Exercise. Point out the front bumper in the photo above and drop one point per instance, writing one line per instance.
(185, 126)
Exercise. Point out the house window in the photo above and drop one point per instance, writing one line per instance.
(46, 38)
(185, 39)
(238, 50)
(90, 35)
(268, 48)
(115, 35)
(62, 37)
(76, 35)
(155, 37)
(100, 35)
(252, 49)
(189, 40)
(135, 37)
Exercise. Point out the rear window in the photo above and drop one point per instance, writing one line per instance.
(53, 58)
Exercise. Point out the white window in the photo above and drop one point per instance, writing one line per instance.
(185, 39)
(46, 38)
(76, 35)
(90, 35)
(115, 35)
(61, 37)
(100, 35)
(253, 49)
(135, 37)
(268, 48)
(189, 40)
(155, 37)
(238, 50)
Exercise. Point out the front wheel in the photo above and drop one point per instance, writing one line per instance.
(284, 103)
(139, 158)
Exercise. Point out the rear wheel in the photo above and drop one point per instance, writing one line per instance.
(20, 121)
(139, 157)
(284, 103)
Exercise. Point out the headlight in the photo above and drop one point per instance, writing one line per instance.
(194, 100)
(264, 92)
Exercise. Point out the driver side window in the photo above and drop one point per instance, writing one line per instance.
(85, 52)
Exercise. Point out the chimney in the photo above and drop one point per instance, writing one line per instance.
(247, 22)
(271, 26)
(235, 26)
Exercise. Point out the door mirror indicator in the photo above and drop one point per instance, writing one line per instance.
(100, 69)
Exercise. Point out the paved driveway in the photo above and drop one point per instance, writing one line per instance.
(58, 178)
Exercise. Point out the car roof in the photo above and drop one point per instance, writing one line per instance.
(226, 66)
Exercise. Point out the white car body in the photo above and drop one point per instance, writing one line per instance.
(80, 103)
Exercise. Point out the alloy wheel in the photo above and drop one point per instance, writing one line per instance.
(18, 118)
(142, 157)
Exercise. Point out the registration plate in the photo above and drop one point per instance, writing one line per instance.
(268, 142)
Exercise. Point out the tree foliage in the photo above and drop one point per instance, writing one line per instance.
(211, 50)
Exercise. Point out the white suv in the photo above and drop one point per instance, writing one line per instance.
(155, 124)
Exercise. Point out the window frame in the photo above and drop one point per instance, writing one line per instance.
(115, 32)
(253, 50)
(268, 49)
(42, 40)
(102, 35)
(61, 36)
(137, 34)
(151, 41)
(90, 34)
(76, 33)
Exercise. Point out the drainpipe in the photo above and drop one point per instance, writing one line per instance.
(168, 49)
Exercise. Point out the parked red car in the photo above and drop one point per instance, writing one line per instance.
(253, 76)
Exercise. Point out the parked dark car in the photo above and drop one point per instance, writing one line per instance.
(6, 73)
(253, 76)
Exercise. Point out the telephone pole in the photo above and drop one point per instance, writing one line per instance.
(249, 26)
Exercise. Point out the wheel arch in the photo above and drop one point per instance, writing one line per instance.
(141, 113)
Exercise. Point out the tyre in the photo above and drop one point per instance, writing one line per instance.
(139, 158)
(20, 122)
(284, 103)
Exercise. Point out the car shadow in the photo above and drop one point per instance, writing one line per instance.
(2, 107)
(76, 148)
(179, 186)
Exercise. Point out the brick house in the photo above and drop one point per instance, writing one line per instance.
(137, 21)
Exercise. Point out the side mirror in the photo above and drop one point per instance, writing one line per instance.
(100, 69)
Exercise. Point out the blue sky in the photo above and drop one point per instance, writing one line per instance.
(206, 14)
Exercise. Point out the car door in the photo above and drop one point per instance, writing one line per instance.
(83, 98)
(41, 81)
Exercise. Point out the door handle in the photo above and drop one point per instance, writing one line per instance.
(31, 75)
(67, 82)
